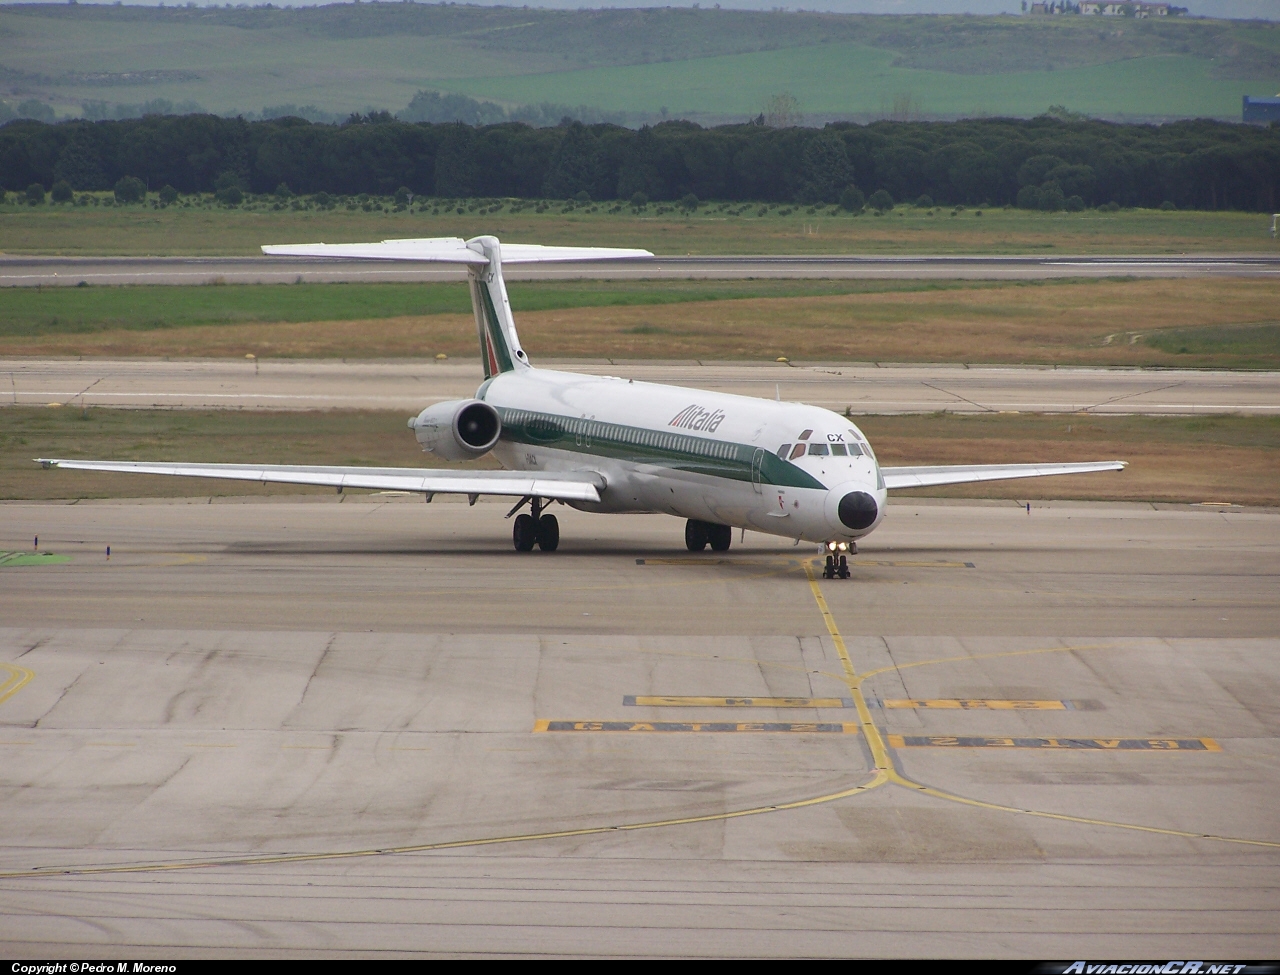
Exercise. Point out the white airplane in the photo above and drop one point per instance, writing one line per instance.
(605, 444)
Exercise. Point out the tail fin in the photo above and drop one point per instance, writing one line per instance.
(500, 348)
(499, 344)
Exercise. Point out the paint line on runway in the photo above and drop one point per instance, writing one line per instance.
(898, 563)
(1087, 744)
(925, 704)
(784, 562)
(718, 727)
(736, 702)
(18, 678)
(694, 560)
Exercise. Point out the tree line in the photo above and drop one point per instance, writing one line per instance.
(1044, 162)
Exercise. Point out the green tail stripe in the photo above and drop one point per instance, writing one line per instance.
(501, 351)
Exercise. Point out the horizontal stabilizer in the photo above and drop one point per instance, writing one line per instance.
(449, 250)
(568, 486)
(896, 478)
(535, 253)
(453, 250)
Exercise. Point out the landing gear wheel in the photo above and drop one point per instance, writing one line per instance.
(524, 533)
(548, 531)
(695, 535)
(720, 537)
(829, 570)
(842, 570)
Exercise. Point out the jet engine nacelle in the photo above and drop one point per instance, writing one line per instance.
(460, 429)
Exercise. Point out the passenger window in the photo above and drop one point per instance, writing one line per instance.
(798, 452)
(855, 450)
(782, 451)
(818, 449)
(837, 450)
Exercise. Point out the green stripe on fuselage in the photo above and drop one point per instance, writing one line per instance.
(639, 445)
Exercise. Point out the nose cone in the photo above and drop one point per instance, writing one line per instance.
(858, 510)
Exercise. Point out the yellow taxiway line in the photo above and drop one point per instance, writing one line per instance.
(888, 773)
(18, 678)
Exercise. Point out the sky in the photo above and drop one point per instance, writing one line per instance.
(1260, 9)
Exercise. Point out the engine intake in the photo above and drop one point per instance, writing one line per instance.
(458, 429)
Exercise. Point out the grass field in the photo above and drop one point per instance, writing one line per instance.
(708, 63)
(836, 79)
(1218, 459)
(53, 311)
(204, 230)
(1221, 323)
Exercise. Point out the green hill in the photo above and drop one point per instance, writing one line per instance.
(709, 64)
(852, 79)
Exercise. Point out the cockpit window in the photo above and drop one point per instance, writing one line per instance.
(837, 450)
(782, 451)
(855, 450)
(806, 435)
(818, 449)
(798, 452)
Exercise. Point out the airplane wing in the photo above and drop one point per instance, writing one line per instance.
(567, 486)
(448, 250)
(896, 478)
(452, 250)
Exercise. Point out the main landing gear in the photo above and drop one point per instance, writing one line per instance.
(535, 529)
(837, 566)
(698, 534)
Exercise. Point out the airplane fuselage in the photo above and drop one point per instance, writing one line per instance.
(782, 468)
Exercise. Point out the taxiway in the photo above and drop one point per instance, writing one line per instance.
(20, 271)
(410, 385)
(368, 727)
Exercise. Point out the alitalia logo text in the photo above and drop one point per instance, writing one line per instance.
(696, 418)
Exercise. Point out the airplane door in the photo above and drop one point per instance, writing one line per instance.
(756, 460)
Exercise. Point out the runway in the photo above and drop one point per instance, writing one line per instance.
(19, 271)
(863, 388)
(368, 727)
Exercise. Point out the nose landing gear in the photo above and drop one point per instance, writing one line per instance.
(536, 529)
(837, 566)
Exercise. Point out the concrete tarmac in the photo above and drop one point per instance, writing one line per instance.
(20, 271)
(411, 385)
(288, 727)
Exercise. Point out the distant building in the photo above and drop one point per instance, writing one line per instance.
(1127, 8)
(1261, 111)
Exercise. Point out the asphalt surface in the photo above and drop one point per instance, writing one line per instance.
(316, 727)
(409, 386)
(70, 271)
